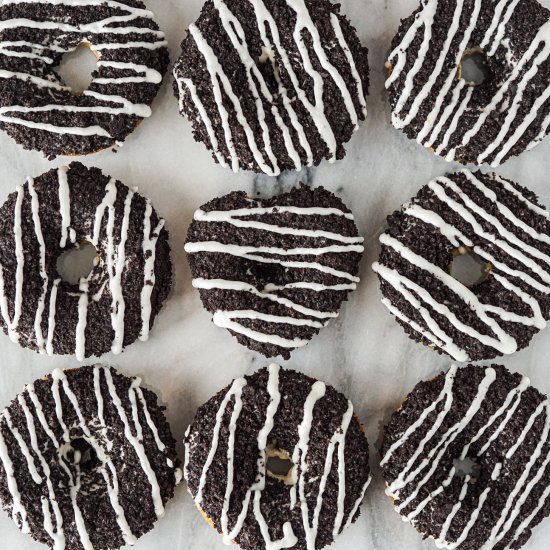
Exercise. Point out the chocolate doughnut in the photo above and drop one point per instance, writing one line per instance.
(466, 458)
(285, 414)
(87, 459)
(39, 111)
(506, 228)
(507, 113)
(274, 272)
(131, 277)
(272, 85)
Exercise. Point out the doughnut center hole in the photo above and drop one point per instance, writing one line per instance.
(80, 452)
(469, 268)
(265, 274)
(269, 70)
(77, 262)
(279, 465)
(474, 68)
(467, 467)
(76, 68)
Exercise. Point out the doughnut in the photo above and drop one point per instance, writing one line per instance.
(131, 277)
(431, 102)
(39, 111)
(87, 459)
(274, 272)
(500, 223)
(285, 414)
(272, 85)
(466, 458)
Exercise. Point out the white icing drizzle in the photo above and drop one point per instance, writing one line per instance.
(11, 323)
(299, 457)
(40, 341)
(102, 103)
(18, 511)
(73, 488)
(149, 253)
(137, 444)
(508, 98)
(230, 319)
(65, 207)
(515, 247)
(225, 319)
(116, 263)
(492, 430)
(232, 217)
(272, 49)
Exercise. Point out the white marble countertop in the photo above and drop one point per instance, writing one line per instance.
(364, 353)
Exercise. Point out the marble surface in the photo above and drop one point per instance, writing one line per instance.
(364, 353)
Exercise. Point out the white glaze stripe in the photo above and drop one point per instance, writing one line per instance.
(231, 217)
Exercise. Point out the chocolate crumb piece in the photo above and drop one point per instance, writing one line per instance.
(274, 85)
(500, 224)
(466, 458)
(283, 415)
(488, 121)
(87, 459)
(114, 305)
(39, 111)
(274, 272)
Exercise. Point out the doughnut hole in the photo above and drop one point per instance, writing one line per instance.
(474, 68)
(469, 268)
(77, 262)
(80, 452)
(268, 67)
(467, 467)
(279, 465)
(266, 274)
(76, 68)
